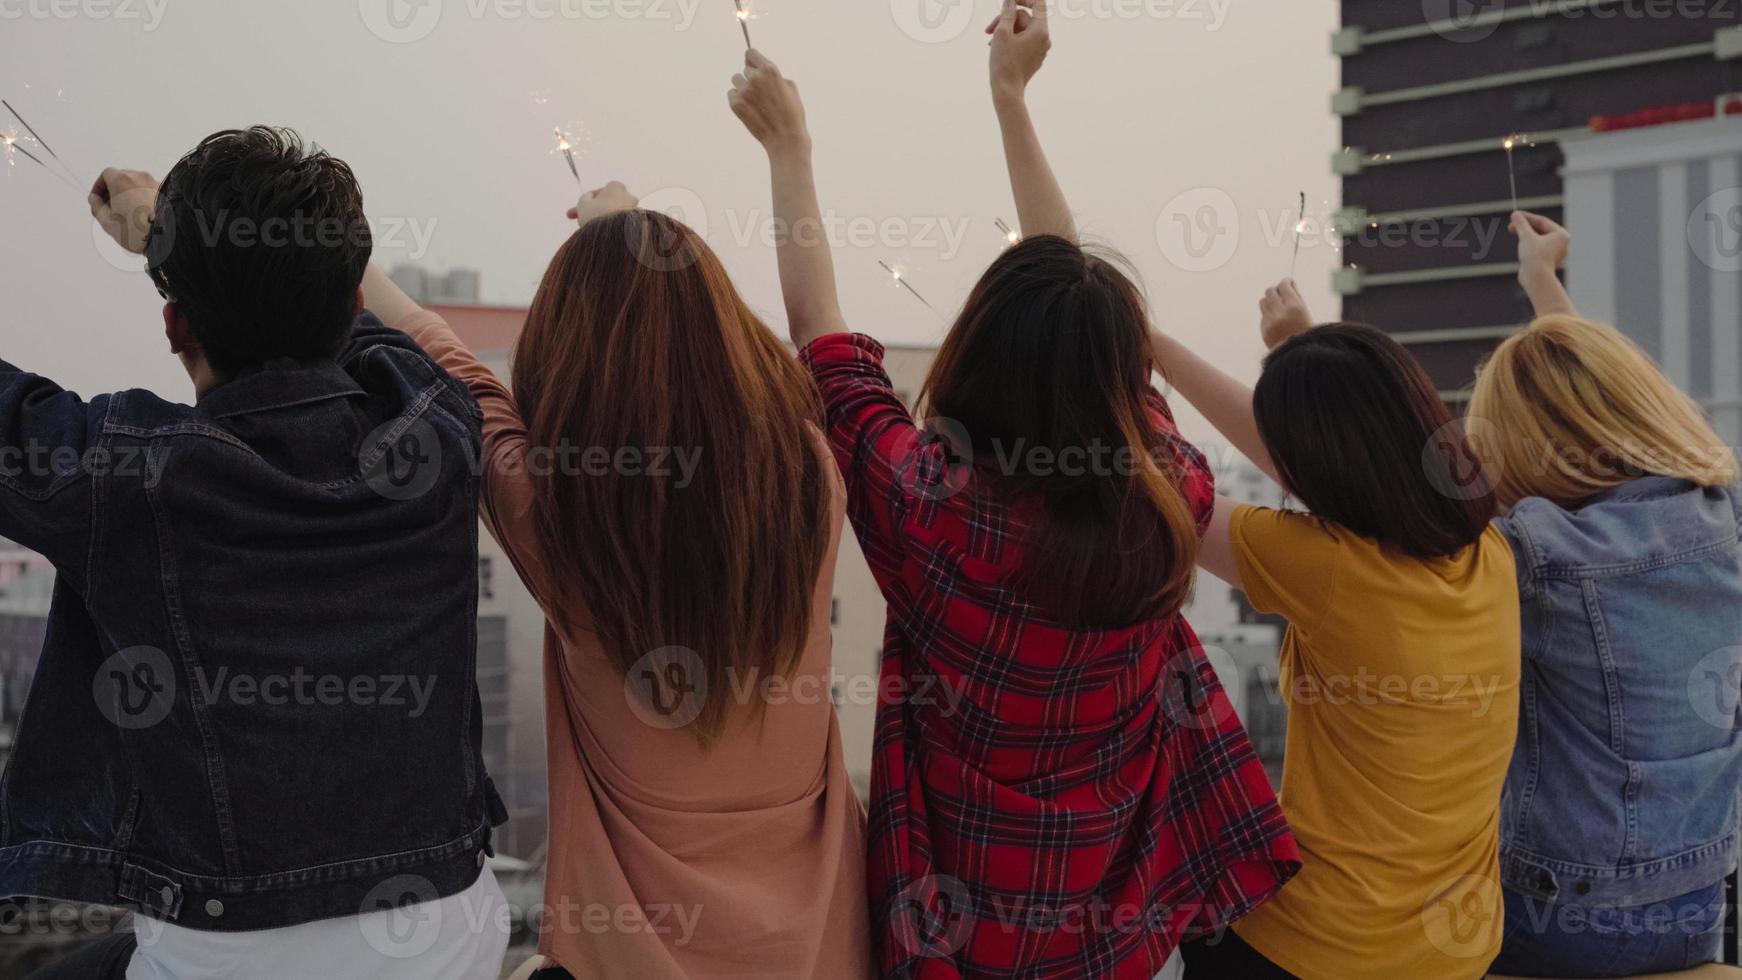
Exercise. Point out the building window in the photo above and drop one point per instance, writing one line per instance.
(486, 577)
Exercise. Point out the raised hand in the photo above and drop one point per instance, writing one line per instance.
(769, 106)
(611, 198)
(1543, 247)
(1021, 38)
(1283, 314)
(124, 203)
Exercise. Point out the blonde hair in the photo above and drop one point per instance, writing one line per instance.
(1568, 409)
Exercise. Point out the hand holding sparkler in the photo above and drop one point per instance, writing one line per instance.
(610, 199)
(1283, 314)
(1021, 38)
(1543, 247)
(769, 105)
(124, 202)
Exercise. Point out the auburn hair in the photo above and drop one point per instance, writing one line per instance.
(1052, 355)
(1570, 409)
(637, 341)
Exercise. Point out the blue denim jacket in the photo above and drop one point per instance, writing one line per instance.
(256, 704)
(1624, 787)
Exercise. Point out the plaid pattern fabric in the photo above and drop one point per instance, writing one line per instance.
(1045, 802)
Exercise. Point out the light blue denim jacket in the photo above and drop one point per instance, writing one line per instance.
(1625, 783)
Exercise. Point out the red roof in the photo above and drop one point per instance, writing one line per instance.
(485, 329)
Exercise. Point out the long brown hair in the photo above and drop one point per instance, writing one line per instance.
(637, 341)
(1052, 356)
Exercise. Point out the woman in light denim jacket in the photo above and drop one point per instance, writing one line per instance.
(1619, 819)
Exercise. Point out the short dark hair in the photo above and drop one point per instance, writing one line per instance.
(261, 243)
(1359, 434)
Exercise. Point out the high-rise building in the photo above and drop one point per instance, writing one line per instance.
(1432, 92)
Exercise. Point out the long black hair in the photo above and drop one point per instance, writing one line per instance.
(1359, 433)
(1050, 367)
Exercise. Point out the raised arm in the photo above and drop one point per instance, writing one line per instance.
(383, 297)
(1542, 250)
(770, 107)
(1021, 38)
(1226, 402)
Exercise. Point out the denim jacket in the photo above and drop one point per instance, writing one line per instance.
(256, 703)
(1624, 787)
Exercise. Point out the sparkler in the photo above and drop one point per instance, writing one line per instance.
(1010, 233)
(568, 151)
(1300, 228)
(12, 144)
(1509, 144)
(900, 280)
(744, 21)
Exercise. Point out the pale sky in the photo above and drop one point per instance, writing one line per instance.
(1214, 113)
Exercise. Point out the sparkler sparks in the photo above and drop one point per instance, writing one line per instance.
(1509, 144)
(744, 16)
(1010, 234)
(1300, 229)
(900, 280)
(565, 145)
(12, 146)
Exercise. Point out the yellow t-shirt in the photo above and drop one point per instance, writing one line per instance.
(1401, 676)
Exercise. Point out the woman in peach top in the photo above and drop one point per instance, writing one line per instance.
(660, 483)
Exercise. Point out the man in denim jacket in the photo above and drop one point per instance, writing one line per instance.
(255, 719)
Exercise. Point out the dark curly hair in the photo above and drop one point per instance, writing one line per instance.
(261, 242)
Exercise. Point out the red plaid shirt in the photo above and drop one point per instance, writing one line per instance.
(1045, 802)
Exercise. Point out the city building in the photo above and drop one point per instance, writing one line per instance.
(1434, 91)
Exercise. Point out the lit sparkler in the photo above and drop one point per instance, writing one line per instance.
(1010, 233)
(567, 148)
(744, 21)
(1300, 228)
(901, 281)
(1509, 144)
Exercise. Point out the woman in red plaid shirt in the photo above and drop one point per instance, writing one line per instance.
(1060, 786)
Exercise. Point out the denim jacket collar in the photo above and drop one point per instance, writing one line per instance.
(1645, 488)
(278, 384)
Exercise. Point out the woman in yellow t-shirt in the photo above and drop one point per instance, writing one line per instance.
(1400, 666)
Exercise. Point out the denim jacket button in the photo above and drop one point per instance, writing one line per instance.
(481, 859)
(1583, 888)
(214, 908)
(168, 896)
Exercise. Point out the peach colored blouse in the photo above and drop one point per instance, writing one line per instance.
(668, 860)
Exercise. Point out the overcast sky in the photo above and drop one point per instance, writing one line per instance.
(1162, 116)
